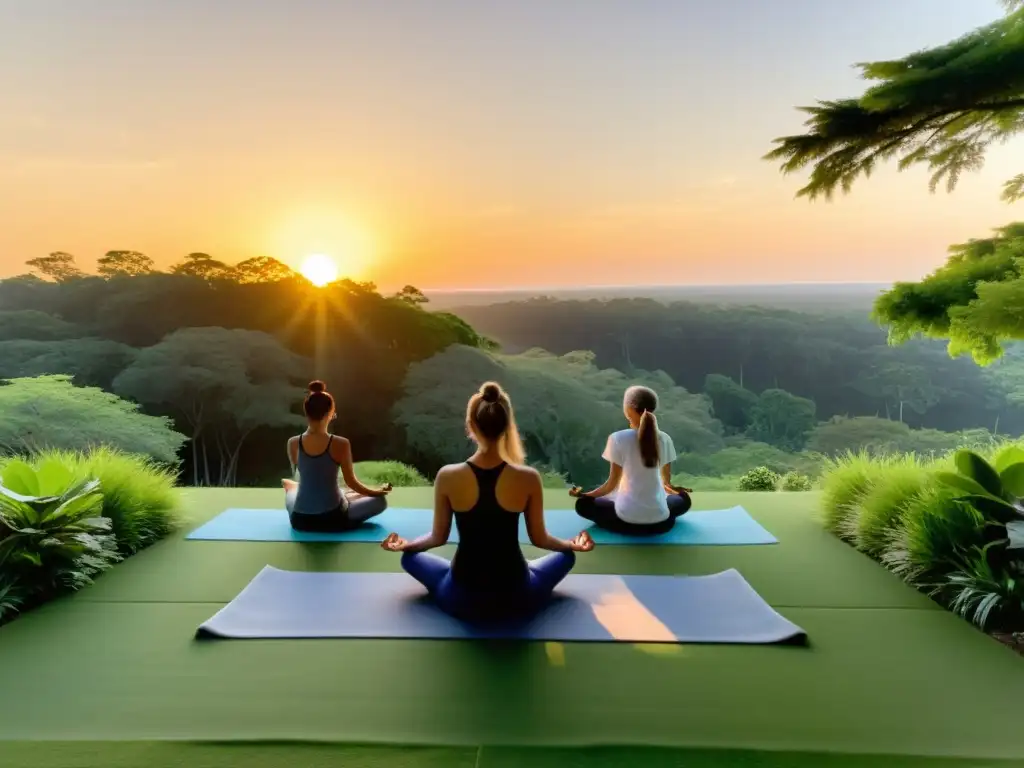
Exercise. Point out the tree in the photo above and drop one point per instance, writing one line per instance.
(941, 107)
(731, 403)
(124, 264)
(90, 362)
(58, 266)
(33, 325)
(782, 419)
(48, 412)
(901, 384)
(412, 295)
(840, 435)
(203, 266)
(221, 385)
(262, 269)
(565, 406)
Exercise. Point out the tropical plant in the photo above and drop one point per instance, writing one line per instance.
(759, 479)
(795, 482)
(51, 535)
(985, 595)
(995, 491)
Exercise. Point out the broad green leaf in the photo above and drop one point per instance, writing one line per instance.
(995, 509)
(1012, 479)
(54, 477)
(1007, 458)
(77, 506)
(19, 477)
(971, 465)
(963, 483)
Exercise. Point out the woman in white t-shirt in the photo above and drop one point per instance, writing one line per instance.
(638, 497)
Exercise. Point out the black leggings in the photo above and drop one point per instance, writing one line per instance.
(601, 511)
(360, 509)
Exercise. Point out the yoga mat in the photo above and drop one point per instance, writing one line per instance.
(721, 608)
(702, 527)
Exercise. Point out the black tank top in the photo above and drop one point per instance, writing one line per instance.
(488, 557)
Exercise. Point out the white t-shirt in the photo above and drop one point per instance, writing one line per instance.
(640, 497)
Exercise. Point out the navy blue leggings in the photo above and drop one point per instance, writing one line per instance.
(435, 573)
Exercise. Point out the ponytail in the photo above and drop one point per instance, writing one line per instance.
(647, 435)
(489, 415)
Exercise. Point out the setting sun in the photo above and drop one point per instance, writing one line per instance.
(319, 269)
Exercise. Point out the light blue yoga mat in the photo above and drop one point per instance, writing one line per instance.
(721, 608)
(701, 527)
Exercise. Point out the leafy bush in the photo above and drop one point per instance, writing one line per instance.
(759, 479)
(796, 482)
(394, 472)
(845, 482)
(953, 527)
(884, 504)
(138, 494)
(51, 537)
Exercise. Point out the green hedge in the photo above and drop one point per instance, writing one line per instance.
(928, 522)
(65, 517)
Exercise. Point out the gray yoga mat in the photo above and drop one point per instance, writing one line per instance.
(720, 608)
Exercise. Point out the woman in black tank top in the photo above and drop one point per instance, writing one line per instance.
(489, 577)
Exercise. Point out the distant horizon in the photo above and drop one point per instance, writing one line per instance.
(665, 286)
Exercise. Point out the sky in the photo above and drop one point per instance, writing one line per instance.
(457, 144)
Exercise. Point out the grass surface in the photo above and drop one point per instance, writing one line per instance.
(887, 673)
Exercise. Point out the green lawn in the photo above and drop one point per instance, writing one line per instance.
(112, 676)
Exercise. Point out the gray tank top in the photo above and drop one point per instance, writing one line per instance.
(319, 490)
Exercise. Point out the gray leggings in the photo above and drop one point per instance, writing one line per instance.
(343, 518)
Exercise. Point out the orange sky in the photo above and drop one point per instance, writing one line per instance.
(578, 143)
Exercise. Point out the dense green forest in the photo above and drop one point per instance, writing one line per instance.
(215, 357)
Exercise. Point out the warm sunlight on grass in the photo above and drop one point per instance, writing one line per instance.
(319, 269)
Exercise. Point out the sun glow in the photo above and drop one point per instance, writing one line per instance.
(319, 269)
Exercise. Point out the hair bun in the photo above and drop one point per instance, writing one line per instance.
(490, 392)
(317, 386)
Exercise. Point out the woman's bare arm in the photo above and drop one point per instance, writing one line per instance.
(342, 450)
(614, 478)
(535, 527)
(293, 454)
(442, 526)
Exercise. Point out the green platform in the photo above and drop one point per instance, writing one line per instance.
(112, 676)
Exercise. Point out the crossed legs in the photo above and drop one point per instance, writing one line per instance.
(434, 573)
(601, 511)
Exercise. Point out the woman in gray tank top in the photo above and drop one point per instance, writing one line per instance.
(317, 502)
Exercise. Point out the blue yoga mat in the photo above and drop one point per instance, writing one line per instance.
(707, 527)
(721, 608)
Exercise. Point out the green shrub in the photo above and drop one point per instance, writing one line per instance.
(394, 472)
(138, 494)
(796, 482)
(759, 479)
(940, 534)
(52, 538)
(884, 504)
(844, 483)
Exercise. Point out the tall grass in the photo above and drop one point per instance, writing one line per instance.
(844, 483)
(883, 505)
